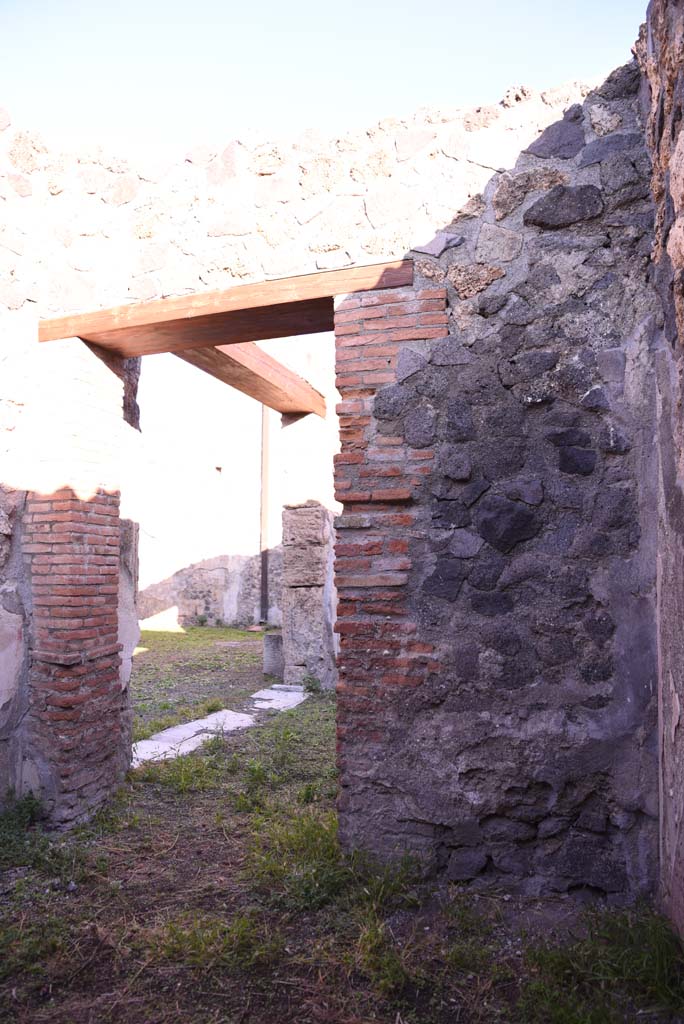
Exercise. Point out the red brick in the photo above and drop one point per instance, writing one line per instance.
(396, 547)
(388, 296)
(398, 494)
(387, 579)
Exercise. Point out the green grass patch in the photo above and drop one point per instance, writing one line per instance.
(24, 843)
(25, 947)
(192, 773)
(194, 637)
(181, 676)
(299, 862)
(630, 955)
(386, 965)
(206, 943)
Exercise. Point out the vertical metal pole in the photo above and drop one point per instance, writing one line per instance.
(263, 523)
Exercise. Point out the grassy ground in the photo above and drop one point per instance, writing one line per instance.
(181, 676)
(215, 892)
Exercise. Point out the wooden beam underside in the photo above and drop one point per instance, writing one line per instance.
(250, 312)
(255, 373)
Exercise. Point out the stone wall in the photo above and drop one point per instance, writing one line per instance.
(660, 55)
(217, 591)
(497, 572)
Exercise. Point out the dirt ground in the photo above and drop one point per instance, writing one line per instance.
(214, 891)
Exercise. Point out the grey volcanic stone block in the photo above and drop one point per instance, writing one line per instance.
(601, 149)
(578, 461)
(622, 82)
(565, 205)
(410, 361)
(491, 604)
(465, 863)
(526, 366)
(455, 463)
(447, 579)
(419, 426)
(464, 544)
(563, 139)
(504, 523)
(459, 425)
(391, 402)
(530, 490)
(442, 241)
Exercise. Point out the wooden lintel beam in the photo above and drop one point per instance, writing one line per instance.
(255, 373)
(250, 312)
(233, 327)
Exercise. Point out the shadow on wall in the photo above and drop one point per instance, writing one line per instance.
(225, 590)
(497, 712)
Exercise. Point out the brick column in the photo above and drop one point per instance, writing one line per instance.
(75, 694)
(379, 478)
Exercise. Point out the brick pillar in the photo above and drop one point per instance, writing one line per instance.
(76, 719)
(379, 478)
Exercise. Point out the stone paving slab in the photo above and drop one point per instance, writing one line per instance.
(278, 700)
(156, 750)
(182, 739)
(219, 721)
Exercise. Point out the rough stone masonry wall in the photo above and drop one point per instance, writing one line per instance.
(496, 561)
(661, 58)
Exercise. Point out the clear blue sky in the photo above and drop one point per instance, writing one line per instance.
(164, 70)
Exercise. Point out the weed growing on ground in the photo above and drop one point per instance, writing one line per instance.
(299, 862)
(312, 684)
(23, 843)
(26, 946)
(205, 942)
(193, 773)
(384, 964)
(633, 952)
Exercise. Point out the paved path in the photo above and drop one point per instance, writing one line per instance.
(181, 739)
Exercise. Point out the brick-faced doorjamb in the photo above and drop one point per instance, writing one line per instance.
(377, 477)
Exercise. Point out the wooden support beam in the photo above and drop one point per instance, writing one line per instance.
(249, 312)
(232, 327)
(255, 373)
